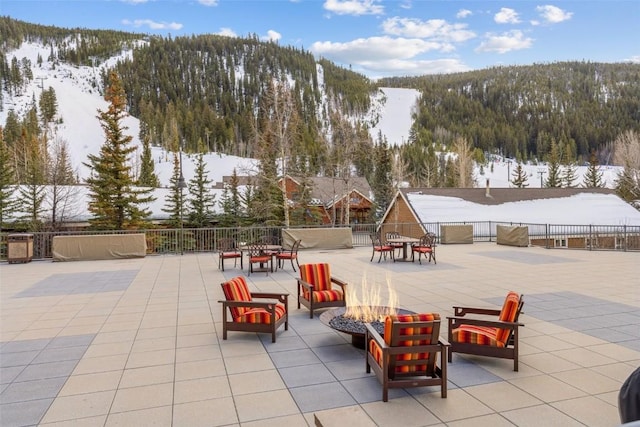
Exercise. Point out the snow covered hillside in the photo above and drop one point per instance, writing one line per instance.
(79, 101)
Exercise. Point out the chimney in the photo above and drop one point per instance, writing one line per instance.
(487, 192)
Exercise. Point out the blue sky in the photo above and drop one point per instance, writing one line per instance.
(378, 38)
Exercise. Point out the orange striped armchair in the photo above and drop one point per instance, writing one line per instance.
(407, 355)
(493, 335)
(247, 314)
(315, 288)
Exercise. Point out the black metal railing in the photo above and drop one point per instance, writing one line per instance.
(191, 240)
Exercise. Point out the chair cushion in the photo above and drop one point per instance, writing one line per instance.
(422, 249)
(324, 296)
(376, 351)
(259, 315)
(508, 314)
(236, 289)
(230, 254)
(383, 248)
(472, 334)
(260, 258)
(318, 275)
(421, 317)
(287, 255)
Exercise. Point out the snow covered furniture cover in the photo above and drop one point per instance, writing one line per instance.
(315, 288)
(407, 354)
(249, 315)
(493, 335)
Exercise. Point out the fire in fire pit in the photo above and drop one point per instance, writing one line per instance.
(351, 319)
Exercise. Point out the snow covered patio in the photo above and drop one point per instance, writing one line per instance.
(138, 342)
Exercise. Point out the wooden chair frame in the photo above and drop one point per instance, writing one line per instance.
(509, 351)
(311, 305)
(387, 375)
(230, 325)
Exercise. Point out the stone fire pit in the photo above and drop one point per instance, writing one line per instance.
(334, 318)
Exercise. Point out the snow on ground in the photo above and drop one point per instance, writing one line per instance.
(394, 113)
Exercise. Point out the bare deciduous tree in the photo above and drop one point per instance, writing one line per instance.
(464, 162)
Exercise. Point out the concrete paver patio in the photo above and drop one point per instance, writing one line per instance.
(139, 342)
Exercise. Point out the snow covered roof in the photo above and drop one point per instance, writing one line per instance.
(576, 207)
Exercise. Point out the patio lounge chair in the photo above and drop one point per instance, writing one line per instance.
(315, 288)
(407, 354)
(495, 335)
(249, 315)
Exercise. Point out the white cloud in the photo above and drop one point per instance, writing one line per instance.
(400, 67)
(384, 56)
(272, 36)
(505, 42)
(438, 29)
(635, 59)
(406, 4)
(354, 7)
(208, 2)
(506, 16)
(553, 14)
(137, 23)
(463, 13)
(227, 32)
(134, 1)
(375, 49)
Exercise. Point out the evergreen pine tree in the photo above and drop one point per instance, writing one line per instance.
(593, 176)
(231, 203)
(8, 204)
(202, 200)
(553, 169)
(519, 175)
(113, 202)
(569, 174)
(148, 177)
(174, 200)
(382, 183)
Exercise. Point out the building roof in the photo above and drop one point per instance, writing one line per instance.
(497, 196)
(571, 206)
(329, 190)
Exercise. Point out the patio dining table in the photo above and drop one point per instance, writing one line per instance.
(271, 250)
(406, 241)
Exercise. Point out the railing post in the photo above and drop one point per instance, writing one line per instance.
(546, 226)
